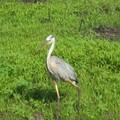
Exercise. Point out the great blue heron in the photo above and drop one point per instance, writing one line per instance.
(59, 69)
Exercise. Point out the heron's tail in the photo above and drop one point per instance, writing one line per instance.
(75, 80)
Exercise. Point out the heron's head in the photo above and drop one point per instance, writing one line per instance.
(50, 39)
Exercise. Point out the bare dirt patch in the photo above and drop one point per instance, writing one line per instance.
(108, 32)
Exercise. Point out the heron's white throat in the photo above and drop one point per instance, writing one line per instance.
(50, 52)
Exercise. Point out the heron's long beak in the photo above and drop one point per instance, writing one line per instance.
(43, 45)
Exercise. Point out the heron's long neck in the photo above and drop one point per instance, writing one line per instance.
(50, 50)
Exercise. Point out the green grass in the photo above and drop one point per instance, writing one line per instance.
(26, 90)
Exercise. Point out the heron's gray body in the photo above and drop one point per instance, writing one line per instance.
(60, 70)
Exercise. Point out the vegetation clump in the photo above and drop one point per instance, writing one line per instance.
(83, 30)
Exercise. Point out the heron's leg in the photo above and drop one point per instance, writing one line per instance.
(57, 91)
(74, 84)
(78, 88)
(58, 105)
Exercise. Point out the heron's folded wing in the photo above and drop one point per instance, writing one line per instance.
(61, 69)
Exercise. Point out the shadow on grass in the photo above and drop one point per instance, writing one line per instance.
(42, 94)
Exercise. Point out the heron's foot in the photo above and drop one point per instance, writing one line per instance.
(57, 114)
(77, 108)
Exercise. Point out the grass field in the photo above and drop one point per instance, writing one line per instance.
(87, 36)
